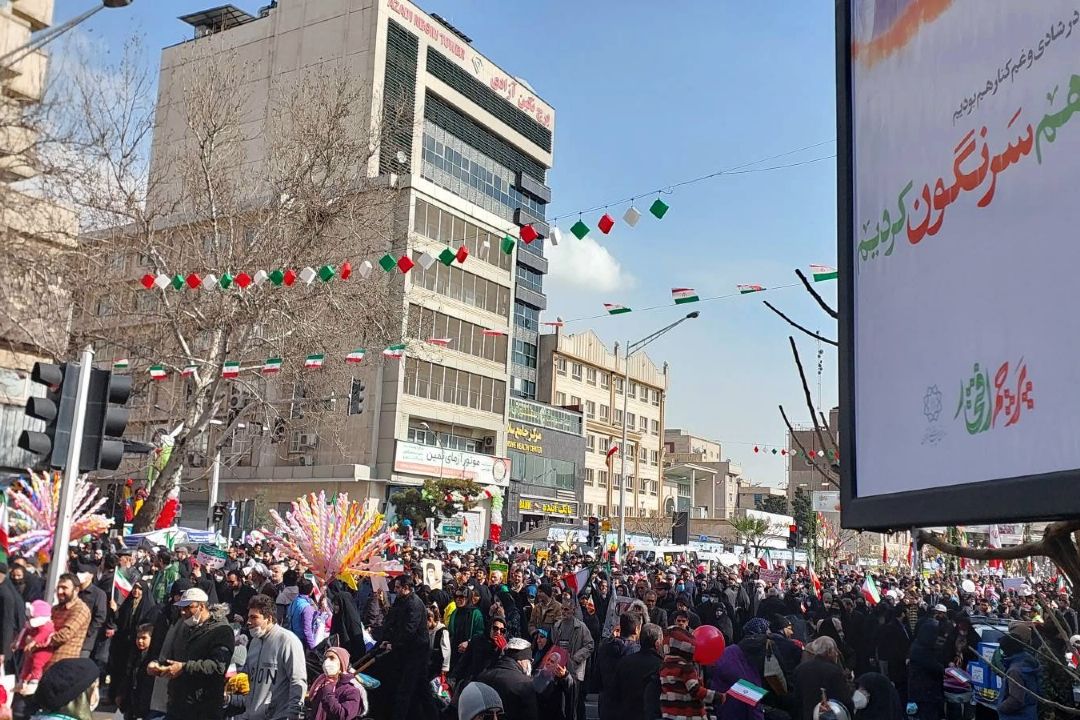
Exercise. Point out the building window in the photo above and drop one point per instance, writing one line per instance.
(524, 353)
(618, 416)
(448, 441)
(104, 307)
(526, 316)
(560, 366)
(529, 278)
(590, 375)
(458, 387)
(643, 456)
(537, 470)
(632, 393)
(447, 228)
(601, 510)
(575, 401)
(575, 371)
(605, 411)
(560, 399)
(589, 477)
(590, 409)
(602, 478)
(464, 336)
(588, 508)
(654, 457)
(522, 388)
(605, 444)
(643, 423)
(629, 482)
(631, 420)
(456, 284)
(590, 442)
(656, 398)
(605, 380)
(654, 427)
(145, 302)
(618, 386)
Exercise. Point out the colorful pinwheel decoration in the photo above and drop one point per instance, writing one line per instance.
(334, 540)
(33, 507)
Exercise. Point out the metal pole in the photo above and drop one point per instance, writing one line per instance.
(215, 478)
(622, 453)
(62, 538)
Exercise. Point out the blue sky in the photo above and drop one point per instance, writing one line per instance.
(647, 94)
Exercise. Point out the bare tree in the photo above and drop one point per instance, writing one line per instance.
(657, 527)
(232, 188)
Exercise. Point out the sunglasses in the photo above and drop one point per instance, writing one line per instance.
(499, 630)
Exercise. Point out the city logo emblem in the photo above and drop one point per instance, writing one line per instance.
(932, 404)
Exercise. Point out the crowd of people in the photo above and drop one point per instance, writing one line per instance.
(520, 635)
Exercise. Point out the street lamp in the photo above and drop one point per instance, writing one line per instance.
(629, 350)
(45, 37)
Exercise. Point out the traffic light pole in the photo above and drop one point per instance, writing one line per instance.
(62, 538)
(215, 478)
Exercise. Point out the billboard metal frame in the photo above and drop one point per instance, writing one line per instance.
(1047, 496)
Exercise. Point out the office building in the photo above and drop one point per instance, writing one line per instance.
(578, 371)
(470, 157)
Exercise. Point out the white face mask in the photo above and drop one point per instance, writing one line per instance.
(94, 698)
(859, 699)
(331, 666)
(191, 621)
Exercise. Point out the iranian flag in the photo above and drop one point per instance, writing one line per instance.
(611, 451)
(314, 362)
(395, 351)
(615, 309)
(231, 369)
(495, 333)
(682, 296)
(823, 272)
(870, 591)
(356, 356)
(576, 581)
(554, 324)
(121, 586)
(747, 692)
(157, 372)
(271, 366)
(440, 341)
(121, 364)
(816, 583)
(4, 549)
(188, 371)
(747, 289)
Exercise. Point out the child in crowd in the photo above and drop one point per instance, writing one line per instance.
(136, 686)
(37, 630)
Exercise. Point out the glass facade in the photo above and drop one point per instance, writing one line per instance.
(458, 387)
(468, 173)
(545, 472)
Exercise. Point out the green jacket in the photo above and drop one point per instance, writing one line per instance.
(163, 581)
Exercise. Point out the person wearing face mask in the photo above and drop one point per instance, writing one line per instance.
(194, 658)
(335, 695)
(875, 698)
(510, 675)
(68, 691)
(275, 666)
(820, 670)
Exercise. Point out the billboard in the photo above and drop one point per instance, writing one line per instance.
(956, 224)
(439, 462)
(825, 501)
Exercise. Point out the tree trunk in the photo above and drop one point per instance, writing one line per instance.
(168, 479)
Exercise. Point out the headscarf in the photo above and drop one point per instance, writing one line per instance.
(884, 703)
(131, 615)
(756, 626)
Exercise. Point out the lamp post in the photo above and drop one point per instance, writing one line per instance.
(46, 36)
(629, 350)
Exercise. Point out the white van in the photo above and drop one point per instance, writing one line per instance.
(670, 554)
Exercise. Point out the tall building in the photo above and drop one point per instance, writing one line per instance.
(578, 371)
(801, 473)
(470, 156)
(34, 315)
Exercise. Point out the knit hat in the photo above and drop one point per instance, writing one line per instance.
(679, 643)
(477, 698)
(342, 656)
(65, 681)
(40, 613)
(519, 649)
(756, 626)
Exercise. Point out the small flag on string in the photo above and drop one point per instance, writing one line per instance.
(395, 351)
(314, 362)
(528, 234)
(243, 280)
(613, 309)
(631, 216)
(162, 281)
(121, 364)
(387, 262)
(193, 280)
(365, 268)
(682, 296)
(446, 257)
(426, 260)
(507, 244)
(147, 281)
(462, 254)
(277, 277)
(231, 369)
(157, 372)
(271, 366)
(226, 281)
(823, 272)
(555, 237)
(554, 323)
(440, 341)
(580, 230)
(346, 270)
(659, 208)
(356, 356)
(495, 333)
(188, 371)
(177, 281)
(260, 277)
(747, 289)
(307, 275)
(606, 223)
(326, 273)
(209, 282)
(405, 264)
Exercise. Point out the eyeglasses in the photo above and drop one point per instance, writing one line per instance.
(499, 630)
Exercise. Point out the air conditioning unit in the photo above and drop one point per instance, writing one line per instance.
(489, 444)
(306, 460)
(308, 440)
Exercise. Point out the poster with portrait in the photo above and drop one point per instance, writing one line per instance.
(432, 573)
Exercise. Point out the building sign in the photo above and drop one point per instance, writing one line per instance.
(825, 501)
(538, 506)
(545, 416)
(524, 438)
(509, 88)
(437, 462)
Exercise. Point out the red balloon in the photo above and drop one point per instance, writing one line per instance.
(709, 644)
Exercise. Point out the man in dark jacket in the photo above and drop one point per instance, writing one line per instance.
(510, 676)
(12, 618)
(98, 602)
(196, 660)
(235, 593)
(406, 632)
(609, 654)
(637, 671)
(926, 672)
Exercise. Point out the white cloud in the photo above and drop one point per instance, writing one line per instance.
(585, 265)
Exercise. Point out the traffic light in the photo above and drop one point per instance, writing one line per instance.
(219, 512)
(106, 418)
(57, 409)
(594, 530)
(356, 397)
(793, 536)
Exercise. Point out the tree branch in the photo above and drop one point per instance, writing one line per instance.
(797, 326)
(1016, 552)
(806, 392)
(810, 289)
(828, 474)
